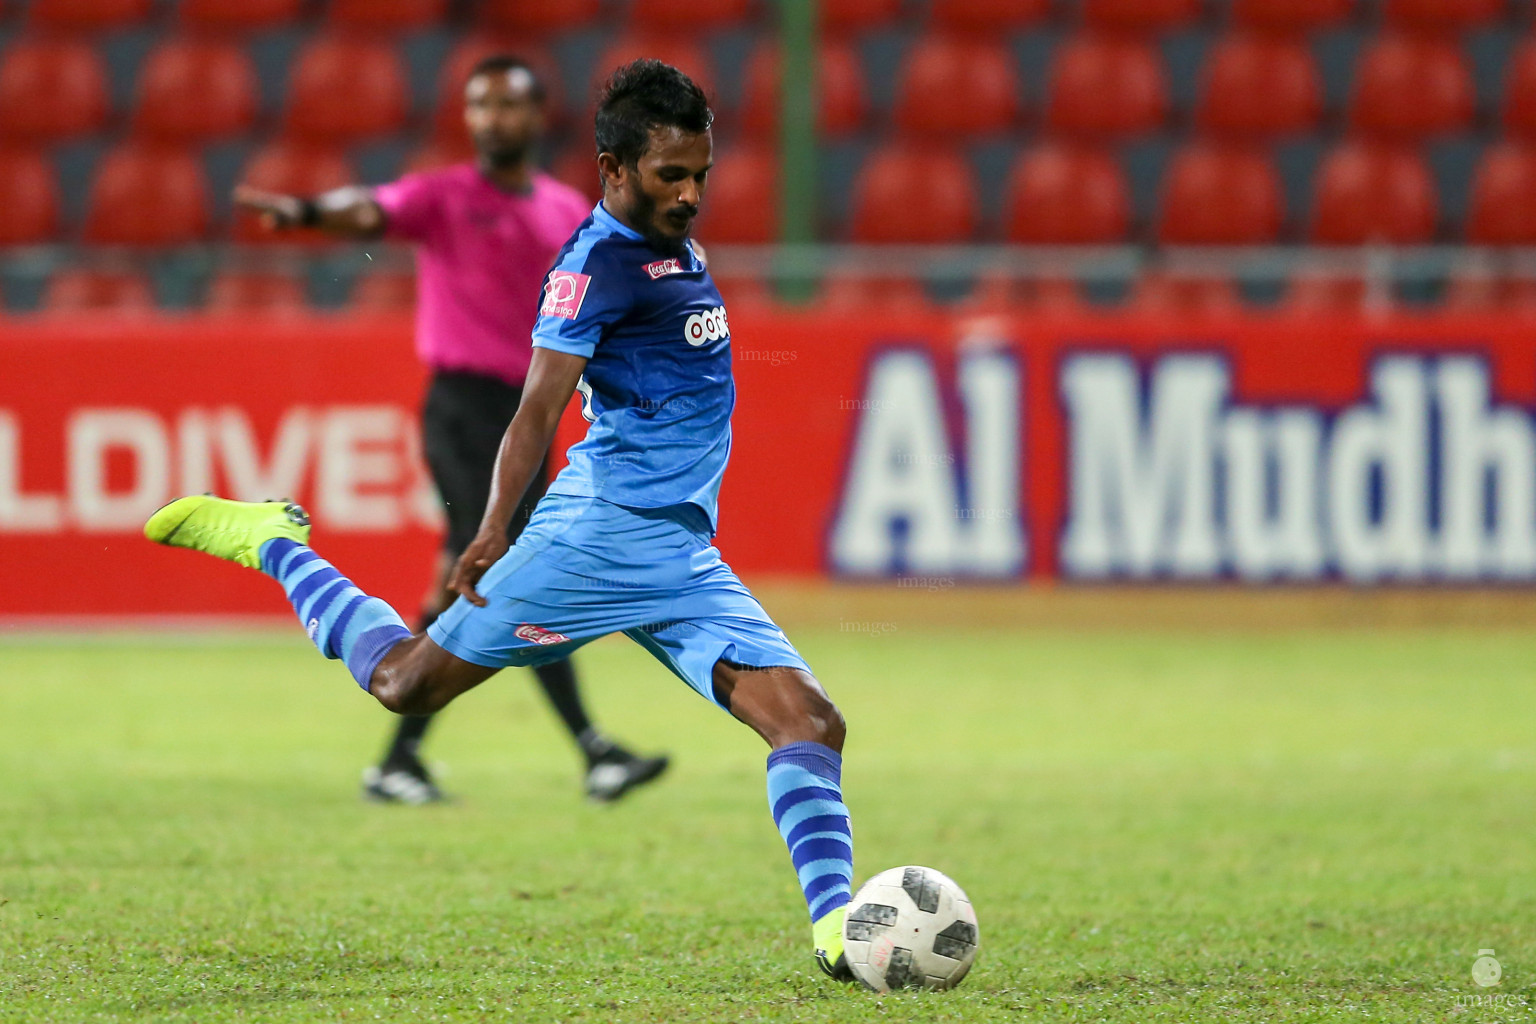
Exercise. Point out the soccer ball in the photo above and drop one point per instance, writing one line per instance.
(910, 927)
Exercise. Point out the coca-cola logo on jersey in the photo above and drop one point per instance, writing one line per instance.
(661, 268)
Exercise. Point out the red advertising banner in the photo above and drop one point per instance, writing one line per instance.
(866, 444)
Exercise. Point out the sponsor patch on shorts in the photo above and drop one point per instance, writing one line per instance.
(539, 635)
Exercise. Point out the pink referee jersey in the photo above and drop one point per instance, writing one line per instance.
(481, 256)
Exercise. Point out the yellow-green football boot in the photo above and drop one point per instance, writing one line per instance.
(232, 530)
(828, 934)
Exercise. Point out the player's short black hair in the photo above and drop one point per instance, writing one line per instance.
(500, 64)
(646, 94)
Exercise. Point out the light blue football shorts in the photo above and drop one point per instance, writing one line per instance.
(584, 568)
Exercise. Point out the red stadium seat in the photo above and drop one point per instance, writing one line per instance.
(739, 290)
(1050, 295)
(384, 291)
(742, 201)
(244, 292)
(1471, 292)
(29, 195)
(914, 194)
(294, 168)
(148, 195)
(688, 15)
(1517, 295)
(1443, 15)
(957, 87)
(1366, 194)
(1409, 88)
(87, 15)
(448, 114)
(987, 17)
(1219, 195)
(1260, 87)
(1166, 293)
(1503, 207)
(1519, 92)
(239, 15)
(1313, 294)
(841, 104)
(576, 166)
(1107, 87)
(1290, 16)
(677, 50)
(847, 291)
(437, 154)
(78, 290)
(1066, 195)
(344, 88)
(1140, 15)
(386, 15)
(540, 17)
(1034, 296)
(843, 17)
(193, 90)
(51, 89)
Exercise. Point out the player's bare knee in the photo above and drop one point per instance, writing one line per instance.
(819, 720)
(826, 720)
(402, 691)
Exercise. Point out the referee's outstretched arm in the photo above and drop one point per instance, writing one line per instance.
(348, 212)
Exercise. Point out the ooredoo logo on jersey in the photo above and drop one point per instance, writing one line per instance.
(563, 293)
(711, 325)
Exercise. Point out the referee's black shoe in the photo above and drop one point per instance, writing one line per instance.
(616, 771)
(401, 782)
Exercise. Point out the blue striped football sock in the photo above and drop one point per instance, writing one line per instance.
(805, 792)
(342, 621)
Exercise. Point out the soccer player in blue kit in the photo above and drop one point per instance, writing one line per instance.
(622, 541)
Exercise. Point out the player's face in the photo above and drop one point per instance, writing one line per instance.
(663, 191)
(502, 115)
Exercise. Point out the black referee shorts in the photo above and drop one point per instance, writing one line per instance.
(463, 421)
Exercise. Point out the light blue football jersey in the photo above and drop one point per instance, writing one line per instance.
(657, 390)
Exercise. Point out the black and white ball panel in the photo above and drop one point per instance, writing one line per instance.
(910, 927)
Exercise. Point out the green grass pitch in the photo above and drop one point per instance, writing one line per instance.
(1246, 824)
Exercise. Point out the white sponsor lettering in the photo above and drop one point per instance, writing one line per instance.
(21, 512)
(360, 470)
(1141, 486)
(992, 526)
(358, 467)
(1484, 449)
(1426, 479)
(1377, 499)
(281, 474)
(905, 508)
(1273, 526)
(94, 435)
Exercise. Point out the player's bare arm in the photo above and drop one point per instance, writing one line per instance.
(552, 379)
(348, 212)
